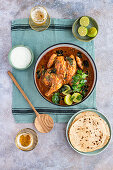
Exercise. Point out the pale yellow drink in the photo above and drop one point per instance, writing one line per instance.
(39, 15)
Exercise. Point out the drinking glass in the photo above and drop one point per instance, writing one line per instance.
(39, 19)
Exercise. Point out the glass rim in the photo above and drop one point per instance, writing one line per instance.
(33, 19)
(30, 131)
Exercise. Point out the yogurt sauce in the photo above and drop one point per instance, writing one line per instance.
(20, 57)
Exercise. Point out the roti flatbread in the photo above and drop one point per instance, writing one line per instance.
(88, 132)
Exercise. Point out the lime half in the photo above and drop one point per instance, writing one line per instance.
(68, 89)
(77, 97)
(67, 99)
(84, 21)
(82, 31)
(92, 32)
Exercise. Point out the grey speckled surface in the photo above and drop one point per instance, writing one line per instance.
(53, 151)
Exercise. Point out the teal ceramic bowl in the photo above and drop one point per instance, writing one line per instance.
(76, 25)
(71, 120)
(32, 57)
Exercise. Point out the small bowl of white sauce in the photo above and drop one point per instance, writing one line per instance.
(20, 57)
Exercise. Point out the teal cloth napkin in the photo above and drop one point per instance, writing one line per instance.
(60, 31)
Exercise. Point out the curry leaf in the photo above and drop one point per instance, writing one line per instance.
(38, 74)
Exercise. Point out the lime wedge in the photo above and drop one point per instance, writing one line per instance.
(84, 21)
(82, 31)
(77, 97)
(67, 99)
(68, 89)
(92, 32)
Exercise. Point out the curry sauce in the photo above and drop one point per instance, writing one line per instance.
(65, 51)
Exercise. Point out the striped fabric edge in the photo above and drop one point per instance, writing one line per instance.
(50, 28)
(45, 110)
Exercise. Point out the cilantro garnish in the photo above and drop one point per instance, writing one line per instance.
(79, 81)
(56, 98)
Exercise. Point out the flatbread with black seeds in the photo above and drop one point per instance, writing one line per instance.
(88, 132)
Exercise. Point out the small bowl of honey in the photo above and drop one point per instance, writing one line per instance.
(26, 139)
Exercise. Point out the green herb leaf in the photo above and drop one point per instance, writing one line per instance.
(79, 71)
(79, 81)
(76, 88)
(83, 81)
(56, 98)
(84, 75)
(57, 94)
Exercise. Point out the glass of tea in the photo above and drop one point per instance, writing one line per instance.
(26, 139)
(39, 19)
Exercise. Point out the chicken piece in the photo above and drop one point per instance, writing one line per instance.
(47, 77)
(60, 65)
(55, 80)
(71, 69)
(65, 70)
(79, 62)
(56, 83)
(51, 60)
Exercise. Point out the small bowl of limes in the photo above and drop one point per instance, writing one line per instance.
(85, 28)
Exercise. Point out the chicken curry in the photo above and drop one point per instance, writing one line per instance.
(64, 76)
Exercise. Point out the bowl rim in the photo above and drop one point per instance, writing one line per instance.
(95, 70)
(93, 152)
(90, 37)
(32, 57)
